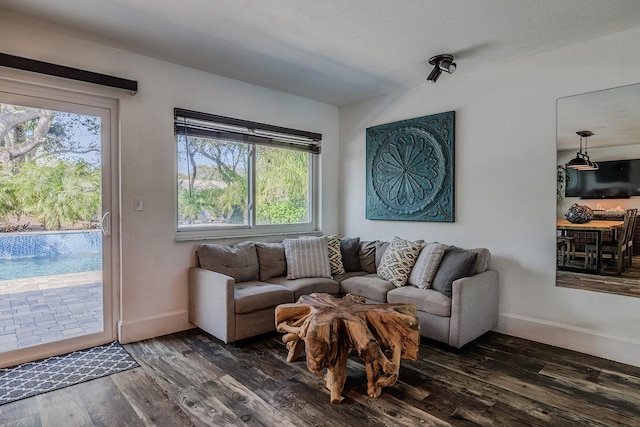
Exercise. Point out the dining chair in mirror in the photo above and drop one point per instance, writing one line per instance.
(618, 248)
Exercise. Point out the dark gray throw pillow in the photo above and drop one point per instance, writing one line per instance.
(456, 264)
(367, 256)
(350, 248)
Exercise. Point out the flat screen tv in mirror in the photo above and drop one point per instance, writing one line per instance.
(616, 179)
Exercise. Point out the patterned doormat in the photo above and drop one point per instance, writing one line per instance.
(30, 379)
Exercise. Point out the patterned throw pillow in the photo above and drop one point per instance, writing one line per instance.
(426, 265)
(398, 259)
(307, 257)
(335, 256)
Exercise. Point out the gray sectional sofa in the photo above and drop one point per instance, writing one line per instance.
(233, 291)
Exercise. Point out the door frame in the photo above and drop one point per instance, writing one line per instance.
(19, 93)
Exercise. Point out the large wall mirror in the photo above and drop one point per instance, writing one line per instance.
(598, 192)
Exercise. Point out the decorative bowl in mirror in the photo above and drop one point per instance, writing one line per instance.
(579, 214)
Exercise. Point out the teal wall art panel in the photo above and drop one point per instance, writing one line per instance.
(410, 169)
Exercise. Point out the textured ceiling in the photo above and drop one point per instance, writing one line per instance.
(334, 51)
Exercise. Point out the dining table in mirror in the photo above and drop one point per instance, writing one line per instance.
(598, 172)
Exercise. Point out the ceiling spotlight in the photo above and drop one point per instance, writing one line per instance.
(441, 63)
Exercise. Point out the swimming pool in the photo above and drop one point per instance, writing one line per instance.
(49, 265)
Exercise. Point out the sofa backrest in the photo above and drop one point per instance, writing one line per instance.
(273, 261)
(239, 261)
(371, 253)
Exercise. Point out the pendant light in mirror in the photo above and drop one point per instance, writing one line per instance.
(582, 161)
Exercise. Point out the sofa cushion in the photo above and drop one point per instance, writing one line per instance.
(273, 262)
(307, 257)
(455, 264)
(398, 260)
(307, 285)
(253, 295)
(340, 277)
(350, 248)
(239, 261)
(424, 270)
(425, 300)
(367, 256)
(369, 286)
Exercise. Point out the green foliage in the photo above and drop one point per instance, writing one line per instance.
(9, 204)
(56, 194)
(224, 204)
(282, 179)
(562, 180)
(284, 212)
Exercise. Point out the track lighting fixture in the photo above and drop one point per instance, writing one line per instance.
(441, 63)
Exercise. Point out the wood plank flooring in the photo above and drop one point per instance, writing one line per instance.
(192, 379)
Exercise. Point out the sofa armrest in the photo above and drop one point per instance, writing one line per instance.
(212, 303)
(474, 307)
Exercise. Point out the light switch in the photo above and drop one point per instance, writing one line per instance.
(137, 204)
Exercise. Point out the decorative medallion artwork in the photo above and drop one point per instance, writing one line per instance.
(410, 168)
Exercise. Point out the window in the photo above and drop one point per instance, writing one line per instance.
(237, 178)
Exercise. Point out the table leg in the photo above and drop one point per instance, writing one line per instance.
(336, 375)
(598, 251)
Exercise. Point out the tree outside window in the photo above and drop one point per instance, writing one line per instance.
(49, 169)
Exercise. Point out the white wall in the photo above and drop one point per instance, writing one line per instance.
(505, 185)
(154, 266)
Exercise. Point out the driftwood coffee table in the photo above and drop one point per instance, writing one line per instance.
(328, 328)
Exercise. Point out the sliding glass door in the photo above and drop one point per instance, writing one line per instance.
(56, 236)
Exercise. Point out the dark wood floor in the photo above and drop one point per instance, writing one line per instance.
(191, 378)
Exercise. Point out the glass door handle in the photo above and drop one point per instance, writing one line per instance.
(105, 225)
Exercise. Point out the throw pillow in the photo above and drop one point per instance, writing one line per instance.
(426, 265)
(482, 261)
(307, 257)
(456, 264)
(335, 256)
(397, 261)
(273, 262)
(239, 261)
(350, 248)
(367, 256)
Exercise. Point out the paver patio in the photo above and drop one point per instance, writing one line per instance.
(39, 310)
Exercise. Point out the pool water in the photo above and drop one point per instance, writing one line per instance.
(20, 268)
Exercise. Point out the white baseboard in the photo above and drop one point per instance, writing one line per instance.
(153, 326)
(584, 340)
